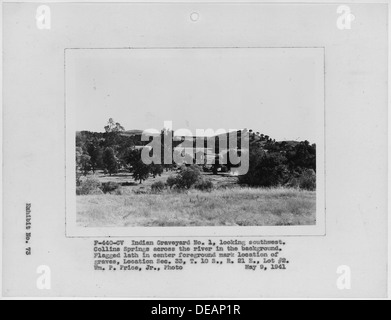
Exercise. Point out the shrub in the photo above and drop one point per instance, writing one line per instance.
(307, 180)
(78, 179)
(204, 185)
(224, 169)
(188, 177)
(110, 186)
(293, 183)
(171, 181)
(121, 191)
(88, 186)
(158, 186)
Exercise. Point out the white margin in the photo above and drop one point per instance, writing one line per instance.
(389, 153)
(200, 1)
(1, 148)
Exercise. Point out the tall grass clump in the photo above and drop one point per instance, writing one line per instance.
(90, 185)
(204, 185)
(307, 180)
(110, 186)
(158, 186)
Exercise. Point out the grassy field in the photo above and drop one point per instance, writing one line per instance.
(234, 206)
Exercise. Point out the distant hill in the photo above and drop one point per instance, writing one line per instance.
(255, 139)
(130, 133)
(290, 142)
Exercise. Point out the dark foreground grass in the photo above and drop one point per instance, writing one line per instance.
(229, 207)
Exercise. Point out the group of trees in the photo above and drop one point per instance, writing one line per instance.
(112, 152)
(274, 163)
(271, 163)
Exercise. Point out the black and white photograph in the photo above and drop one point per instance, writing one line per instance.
(156, 146)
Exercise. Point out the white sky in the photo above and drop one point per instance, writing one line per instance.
(277, 91)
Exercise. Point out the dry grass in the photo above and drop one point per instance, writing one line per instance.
(230, 207)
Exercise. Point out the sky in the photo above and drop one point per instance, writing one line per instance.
(276, 91)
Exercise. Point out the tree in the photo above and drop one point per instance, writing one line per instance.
(303, 156)
(83, 163)
(130, 157)
(266, 169)
(110, 161)
(113, 126)
(156, 170)
(132, 160)
(95, 153)
(141, 171)
(216, 165)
